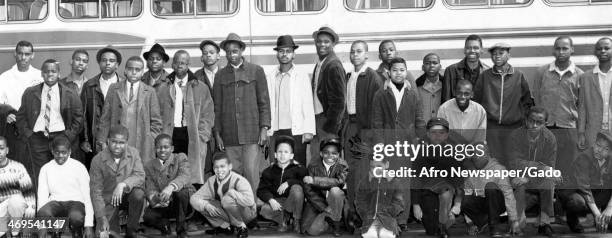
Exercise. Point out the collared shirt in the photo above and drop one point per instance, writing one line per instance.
(211, 74)
(282, 93)
(13, 84)
(431, 95)
(132, 86)
(471, 124)
(605, 82)
(317, 103)
(79, 82)
(557, 91)
(398, 94)
(351, 91)
(179, 91)
(56, 123)
(237, 66)
(106, 83)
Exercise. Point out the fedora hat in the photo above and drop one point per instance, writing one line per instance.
(285, 42)
(159, 49)
(108, 49)
(326, 30)
(232, 37)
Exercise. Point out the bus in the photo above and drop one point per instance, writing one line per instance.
(418, 27)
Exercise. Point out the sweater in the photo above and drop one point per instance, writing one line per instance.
(14, 179)
(209, 192)
(66, 182)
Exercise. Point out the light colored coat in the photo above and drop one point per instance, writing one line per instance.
(200, 116)
(590, 107)
(302, 107)
(149, 123)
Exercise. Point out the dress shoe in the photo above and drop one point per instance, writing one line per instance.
(545, 230)
(243, 232)
(336, 230)
(220, 231)
(182, 235)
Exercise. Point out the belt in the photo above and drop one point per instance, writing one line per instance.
(51, 134)
(352, 117)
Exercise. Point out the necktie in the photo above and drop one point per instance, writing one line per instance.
(180, 86)
(131, 91)
(47, 116)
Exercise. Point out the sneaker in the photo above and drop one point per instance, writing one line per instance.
(243, 232)
(545, 230)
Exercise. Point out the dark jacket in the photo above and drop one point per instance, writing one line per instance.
(201, 75)
(434, 160)
(105, 174)
(368, 83)
(9, 131)
(315, 192)
(379, 199)
(71, 110)
(242, 104)
(273, 176)
(523, 155)
(388, 122)
(146, 78)
(176, 171)
(331, 92)
(588, 175)
(93, 102)
(511, 88)
(420, 81)
(459, 71)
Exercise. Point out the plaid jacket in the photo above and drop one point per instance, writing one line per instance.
(242, 104)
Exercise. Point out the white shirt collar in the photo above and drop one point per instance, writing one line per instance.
(237, 66)
(289, 72)
(214, 71)
(553, 67)
(112, 79)
(363, 69)
(53, 88)
(183, 80)
(596, 70)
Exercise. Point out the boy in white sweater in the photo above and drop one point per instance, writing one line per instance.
(63, 190)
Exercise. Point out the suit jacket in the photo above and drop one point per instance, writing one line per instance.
(149, 123)
(105, 174)
(392, 125)
(201, 75)
(93, 102)
(368, 83)
(199, 112)
(590, 107)
(331, 92)
(176, 171)
(71, 111)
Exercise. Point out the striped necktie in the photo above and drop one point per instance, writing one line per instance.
(131, 91)
(47, 115)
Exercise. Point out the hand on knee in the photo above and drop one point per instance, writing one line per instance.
(336, 192)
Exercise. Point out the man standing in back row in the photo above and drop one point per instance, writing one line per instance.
(242, 110)
(329, 84)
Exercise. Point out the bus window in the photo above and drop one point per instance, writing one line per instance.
(486, 3)
(387, 4)
(574, 2)
(186, 7)
(272, 6)
(22, 10)
(88, 9)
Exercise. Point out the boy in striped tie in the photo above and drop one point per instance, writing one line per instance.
(48, 109)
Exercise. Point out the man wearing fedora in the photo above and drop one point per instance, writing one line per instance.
(290, 104)
(210, 58)
(242, 110)
(187, 113)
(92, 96)
(328, 85)
(156, 57)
